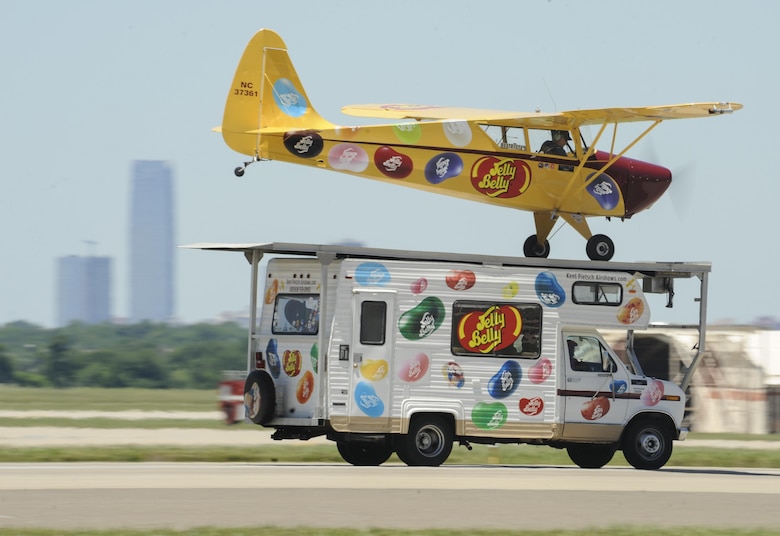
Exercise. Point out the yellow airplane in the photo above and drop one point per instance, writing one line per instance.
(539, 162)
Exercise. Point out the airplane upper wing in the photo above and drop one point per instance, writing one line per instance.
(572, 118)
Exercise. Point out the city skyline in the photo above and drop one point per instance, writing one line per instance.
(84, 290)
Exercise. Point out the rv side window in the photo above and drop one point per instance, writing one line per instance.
(591, 293)
(496, 329)
(372, 322)
(587, 354)
(296, 313)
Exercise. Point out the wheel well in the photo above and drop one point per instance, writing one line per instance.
(448, 417)
(661, 419)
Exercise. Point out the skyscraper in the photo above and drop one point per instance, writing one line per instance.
(151, 242)
(83, 290)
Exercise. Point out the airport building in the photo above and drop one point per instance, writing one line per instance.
(152, 248)
(83, 290)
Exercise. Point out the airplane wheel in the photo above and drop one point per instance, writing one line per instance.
(600, 248)
(531, 248)
(239, 171)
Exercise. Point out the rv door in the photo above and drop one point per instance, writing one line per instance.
(371, 378)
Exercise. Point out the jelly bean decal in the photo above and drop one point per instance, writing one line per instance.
(315, 357)
(489, 330)
(372, 274)
(303, 143)
(653, 393)
(442, 167)
(505, 381)
(458, 132)
(489, 416)
(305, 387)
(374, 369)
(292, 363)
(461, 279)
(408, 132)
(348, 157)
(500, 177)
(531, 406)
(422, 320)
(414, 369)
(540, 371)
(604, 190)
(368, 401)
(618, 387)
(631, 312)
(288, 99)
(510, 290)
(419, 286)
(272, 355)
(595, 409)
(454, 374)
(392, 163)
(548, 290)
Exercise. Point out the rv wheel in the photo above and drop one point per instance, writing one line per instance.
(366, 454)
(259, 397)
(590, 456)
(428, 443)
(647, 444)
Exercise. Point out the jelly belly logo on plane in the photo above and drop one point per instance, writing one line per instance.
(490, 330)
(500, 177)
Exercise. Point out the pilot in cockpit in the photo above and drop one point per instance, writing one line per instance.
(556, 145)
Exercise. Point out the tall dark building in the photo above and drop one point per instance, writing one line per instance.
(83, 290)
(151, 242)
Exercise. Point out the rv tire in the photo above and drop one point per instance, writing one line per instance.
(364, 454)
(259, 397)
(428, 443)
(590, 456)
(647, 444)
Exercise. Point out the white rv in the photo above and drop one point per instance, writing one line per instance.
(388, 351)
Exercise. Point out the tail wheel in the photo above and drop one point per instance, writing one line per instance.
(591, 456)
(365, 454)
(600, 248)
(531, 248)
(428, 443)
(259, 397)
(647, 444)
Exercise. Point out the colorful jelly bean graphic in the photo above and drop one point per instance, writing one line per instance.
(408, 132)
(315, 357)
(489, 416)
(531, 406)
(505, 381)
(303, 143)
(454, 374)
(631, 312)
(414, 369)
(392, 164)
(653, 393)
(372, 274)
(595, 408)
(292, 363)
(348, 157)
(367, 400)
(419, 286)
(305, 387)
(374, 369)
(461, 279)
(510, 290)
(442, 167)
(540, 371)
(458, 132)
(422, 320)
(604, 190)
(288, 99)
(549, 292)
(618, 387)
(272, 355)
(272, 291)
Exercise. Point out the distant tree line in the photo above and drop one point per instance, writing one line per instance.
(146, 355)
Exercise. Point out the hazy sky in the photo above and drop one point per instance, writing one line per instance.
(87, 87)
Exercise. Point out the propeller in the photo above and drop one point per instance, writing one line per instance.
(683, 187)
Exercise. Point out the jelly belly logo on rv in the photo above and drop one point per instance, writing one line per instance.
(490, 330)
(500, 177)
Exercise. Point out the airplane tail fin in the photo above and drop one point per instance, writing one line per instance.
(266, 96)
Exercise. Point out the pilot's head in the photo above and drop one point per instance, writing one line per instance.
(560, 135)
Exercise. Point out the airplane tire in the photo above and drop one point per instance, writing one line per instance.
(531, 248)
(600, 248)
(259, 397)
